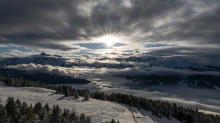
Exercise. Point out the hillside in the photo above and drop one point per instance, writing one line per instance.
(98, 110)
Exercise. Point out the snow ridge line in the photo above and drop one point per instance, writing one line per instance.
(133, 115)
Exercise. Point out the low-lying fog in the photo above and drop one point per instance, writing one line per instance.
(206, 100)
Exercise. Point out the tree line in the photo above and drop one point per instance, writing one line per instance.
(17, 112)
(158, 108)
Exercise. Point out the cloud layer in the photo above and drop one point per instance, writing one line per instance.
(53, 24)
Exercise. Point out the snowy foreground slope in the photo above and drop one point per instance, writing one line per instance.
(98, 110)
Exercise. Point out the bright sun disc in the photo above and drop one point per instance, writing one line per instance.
(109, 40)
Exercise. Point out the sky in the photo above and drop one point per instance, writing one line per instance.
(160, 28)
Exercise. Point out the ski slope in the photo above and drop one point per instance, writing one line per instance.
(98, 110)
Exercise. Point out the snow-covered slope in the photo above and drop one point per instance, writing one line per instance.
(98, 110)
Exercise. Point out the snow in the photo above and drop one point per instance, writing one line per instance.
(161, 83)
(182, 83)
(98, 110)
(216, 87)
(205, 100)
(206, 82)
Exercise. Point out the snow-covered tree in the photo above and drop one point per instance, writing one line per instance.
(105, 99)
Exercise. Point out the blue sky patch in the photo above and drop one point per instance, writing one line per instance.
(9, 48)
(157, 45)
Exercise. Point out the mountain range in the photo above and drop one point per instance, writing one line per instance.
(200, 79)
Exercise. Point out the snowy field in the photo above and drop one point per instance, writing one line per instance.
(98, 110)
(205, 100)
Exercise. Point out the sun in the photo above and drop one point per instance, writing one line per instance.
(109, 40)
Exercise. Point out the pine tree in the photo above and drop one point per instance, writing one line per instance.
(3, 115)
(82, 117)
(67, 94)
(57, 91)
(36, 119)
(77, 94)
(72, 116)
(157, 112)
(60, 89)
(30, 112)
(66, 113)
(153, 112)
(71, 92)
(43, 115)
(46, 106)
(0, 101)
(168, 114)
(189, 118)
(16, 116)
(64, 120)
(139, 107)
(86, 96)
(10, 104)
(105, 98)
(38, 108)
(88, 120)
(18, 84)
(18, 102)
(55, 115)
(24, 108)
(112, 121)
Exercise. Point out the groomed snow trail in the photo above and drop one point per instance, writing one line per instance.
(98, 110)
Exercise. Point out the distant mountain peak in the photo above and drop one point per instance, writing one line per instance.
(44, 54)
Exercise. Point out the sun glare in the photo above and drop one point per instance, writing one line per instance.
(109, 40)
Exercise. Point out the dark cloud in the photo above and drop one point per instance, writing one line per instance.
(85, 56)
(202, 29)
(199, 54)
(46, 24)
(41, 24)
(39, 68)
(53, 24)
